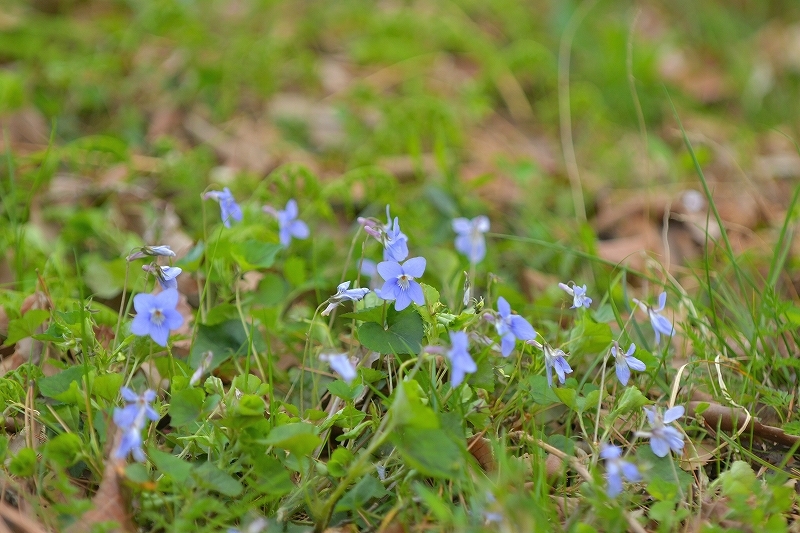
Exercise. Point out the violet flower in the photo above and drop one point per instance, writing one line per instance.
(511, 327)
(663, 438)
(661, 325)
(617, 469)
(460, 361)
(341, 364)
(156, 315)
(145, 251)
(288, 223)
(131, 419)
(166, 276)
(470, 240)
(344, 294)
(229, 209)
(623, 362)
(399, 282)
(579, 298)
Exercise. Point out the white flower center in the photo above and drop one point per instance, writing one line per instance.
(403, 281)
(157, 317)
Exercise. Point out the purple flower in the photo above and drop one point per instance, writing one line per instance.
(344, 294)
(131, 420)
(617, 469)
(229, 209)
(156, 315)
(399, 284)
(579, 298)
(623, 362)
(555, 358)
(460, 360)
(144, 251)
(341, 363)
(470, 240)
(660, 324)
(511, 327)
(395, 244)
(663, 438)
(289, 225)
(165, 275)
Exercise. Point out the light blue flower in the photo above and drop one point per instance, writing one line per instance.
(623, 362)
(344, 294)
(661, 325)
(511, 327)
(555, 358)
(461, 363)
(131, 419)
(156, 315)
(395, 242)
(340, 363)
(144, 251)
(399, 284)
(470, 240)
(229, 209)
(579, 298)
(166, 276)
(617, 469)
(663, 438)
(288, 223)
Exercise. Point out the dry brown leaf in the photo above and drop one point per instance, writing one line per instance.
(732, 419)
(16, 522)
(481, 449)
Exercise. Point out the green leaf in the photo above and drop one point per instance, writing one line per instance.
(365, 490)
(567, 396)
(403, 336)
(590, 337)
(168, 464)
(430, 451)
(541, 393)
(224, 340)
(64, 449)
(339, 461)
(209, 476)
(294, 270)
(107, 386)
(26, 325)
(408, 409)
(53, 386)
(273, 478)
(344, 391)
(299, 438)
(104, 278)
(24, 463)
(253, 254)
(185, 406)
(370, 314)
(349, 417)
(632, 400)
(250, 405)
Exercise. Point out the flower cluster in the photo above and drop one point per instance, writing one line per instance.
(131, 420)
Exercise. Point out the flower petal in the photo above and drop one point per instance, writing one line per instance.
(291, 209)
(462, 225)
(503, 307)
(662, 301)
(635, 364)
(507, 344)
(143, 302)
(659, 446)
(415, 267)
(521, 328)
(167, 299)
(481, 223)
(299, 229)
(673, 414)
(623, 372)
(402, 301)
(390, 270)
(415, 293)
